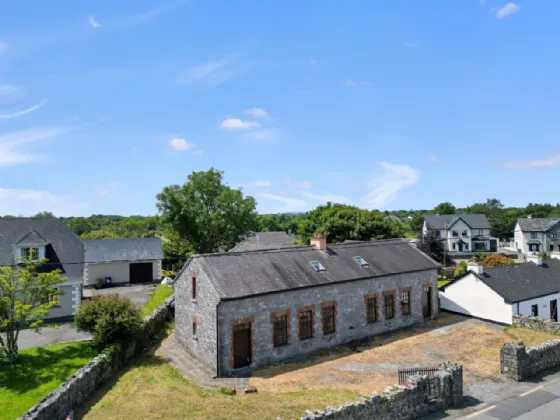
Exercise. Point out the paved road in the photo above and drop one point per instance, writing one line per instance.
(539, 403)
(64, 333)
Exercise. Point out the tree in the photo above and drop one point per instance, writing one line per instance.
(79, 225)
(416, 224)
(26, 295)
(432, 245)
(539, 210)
(445, 208)
(99, 234)
(206, 212)
(45, 215)
(493, 260)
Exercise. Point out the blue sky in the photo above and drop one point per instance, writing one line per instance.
(388, 105)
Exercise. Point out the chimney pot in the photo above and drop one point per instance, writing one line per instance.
(318, 241)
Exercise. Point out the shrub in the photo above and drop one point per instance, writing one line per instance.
(460, 270)
(110, 319)
(545, 255)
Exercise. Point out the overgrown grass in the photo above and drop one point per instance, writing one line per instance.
(36, 373)
(150, 388)
(529, 337)
(162, 292)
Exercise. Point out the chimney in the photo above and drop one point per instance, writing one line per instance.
(529, 217)
(475, 267)
(534, 257)
(318, 241)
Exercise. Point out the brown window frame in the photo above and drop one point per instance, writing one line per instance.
(389, 304)
(195, 328)
(193, 284)
(280, 331)
(328, 325)
(305, 324)
(405, 299)
(370, 304)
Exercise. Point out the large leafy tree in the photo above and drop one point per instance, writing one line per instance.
(445, 208)
(26, 296)
(79, 225)
(206, 212)
(431, 244)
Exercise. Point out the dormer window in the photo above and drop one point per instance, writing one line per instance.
(360, 261)
(31, 254)
(318, 266)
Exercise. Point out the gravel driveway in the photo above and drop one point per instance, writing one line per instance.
(139, 294)
(64, 333)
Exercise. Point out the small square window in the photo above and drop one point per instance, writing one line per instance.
(464, 233)
(480, 232)
(360, 261)
(533, 235)
(317, 266)
(455, 233)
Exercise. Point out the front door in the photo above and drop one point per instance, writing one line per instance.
(427, 302)
(551, 248)
(241, 345)
(554, 310)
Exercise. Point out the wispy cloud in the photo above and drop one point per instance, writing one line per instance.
(212, 73)
(9, 90)
(22, 112)
(12, 145)
(327, 197)
(355, 83)
(181, 145)
(288, 203)
(262, 183)
(93, 23)
(312, 62)
(410, 44)
(548, 162)
(507, 10)
(148, 15)
(28, 202)
(433, 159)
(105, 189)
(238, 124)
(391, 180)
(304, 184)
(258, 113)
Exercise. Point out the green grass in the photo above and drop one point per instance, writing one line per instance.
(36, 373)
(161, 293)
(442, 282)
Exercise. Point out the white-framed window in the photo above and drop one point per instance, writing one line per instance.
(455, 233)
(480, 232)
(466, 246)
(533, 235)
(31, 253)
(454, 245)
(464, 233)
(318, 266)
(52, 297)
(554, 235)
(360, 261)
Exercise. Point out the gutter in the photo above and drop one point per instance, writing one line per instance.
(218, 339)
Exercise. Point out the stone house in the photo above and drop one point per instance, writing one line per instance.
(238, 311)
(463, 233)
(264, 240)
(537, 235)
(497, 294)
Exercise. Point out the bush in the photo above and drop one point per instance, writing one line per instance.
(545, 255)
(110, 319)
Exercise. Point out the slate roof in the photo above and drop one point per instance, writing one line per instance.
(64, 249)
(264, 240)
(475, 221)
(107, 250)
(537, 225)
(520, 282)
(236, 275)
(394, 218)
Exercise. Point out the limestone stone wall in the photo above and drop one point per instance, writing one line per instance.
(420, 397)
(86, 380)
(536, 323)
(519, 362)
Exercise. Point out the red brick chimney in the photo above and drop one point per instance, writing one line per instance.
(318, 241)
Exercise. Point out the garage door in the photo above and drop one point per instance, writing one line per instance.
(141, 273)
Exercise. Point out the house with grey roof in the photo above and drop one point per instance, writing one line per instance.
(537, 235)
(496, 294)
(122, 261)
(238, 311)
(463, 233)
(34, 239)
(264, 240)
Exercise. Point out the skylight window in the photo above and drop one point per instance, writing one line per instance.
(360, 261)
(317, 266)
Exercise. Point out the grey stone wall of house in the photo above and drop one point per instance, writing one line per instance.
(519, 362)
(536, 323)
(351, 320)
(59, 403)
(202, 309)
(419, 398)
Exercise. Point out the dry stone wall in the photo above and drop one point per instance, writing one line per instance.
(420, 397)
(519, 362)
(536, 324)
(86, 380)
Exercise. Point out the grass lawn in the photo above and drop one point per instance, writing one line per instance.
(529, 337)
(162, 292)
(150, 388)
(443, 282)
(38, 371)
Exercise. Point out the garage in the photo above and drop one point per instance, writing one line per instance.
(141, 273)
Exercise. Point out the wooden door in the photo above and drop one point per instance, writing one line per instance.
(554, 310)
(242, 345)
(427, 302)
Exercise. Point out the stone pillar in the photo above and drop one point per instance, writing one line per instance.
(513, 357)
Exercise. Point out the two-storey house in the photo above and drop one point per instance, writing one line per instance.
(462, 232)
(537, 235)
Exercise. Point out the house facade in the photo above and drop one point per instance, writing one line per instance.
(537, 235)
(239, 311)
(496, 294)
(465, 233)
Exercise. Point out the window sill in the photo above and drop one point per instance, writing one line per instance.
(276, 346)
(329, 333)
(305, 339)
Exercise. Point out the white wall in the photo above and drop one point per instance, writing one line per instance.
(459, 227)
(544, 306)
(470, 296)
(119, 271)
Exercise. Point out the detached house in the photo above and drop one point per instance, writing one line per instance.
(463, 232)
(537, 235)
(243, 310)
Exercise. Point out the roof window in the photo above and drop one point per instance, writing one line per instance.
(361, 261)
(317, 266)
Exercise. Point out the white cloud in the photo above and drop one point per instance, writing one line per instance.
(433, 159)
(181, 145)
(30, 202)
(508, 9)
(327, 197)
(23, 112)
(93, 23)
(12, 145)
(104, 189)
(289, 203)
(260, 183)
(387, 185)
(257, 113)
(3, 46)
(304, 184)
(238, 124)
(410, 44)
(549, 162)
(355, 83)
(9, 90)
